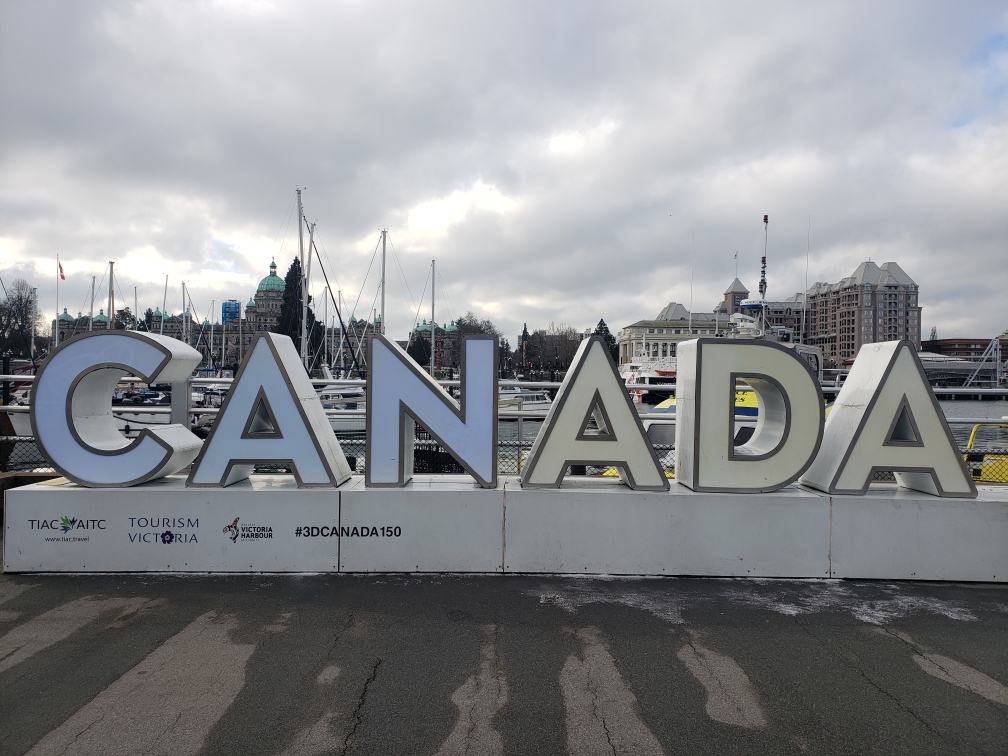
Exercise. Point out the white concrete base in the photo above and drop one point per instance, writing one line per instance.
(433, 524)
(162, 526)
(599, 526)
(448, 524)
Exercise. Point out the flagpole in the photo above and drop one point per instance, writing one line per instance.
(56, 334)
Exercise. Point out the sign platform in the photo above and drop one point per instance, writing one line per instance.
(450, 524)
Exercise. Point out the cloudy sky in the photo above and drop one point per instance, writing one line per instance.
(558, 159)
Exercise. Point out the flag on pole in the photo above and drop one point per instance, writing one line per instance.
(736, 254)
(61, 270)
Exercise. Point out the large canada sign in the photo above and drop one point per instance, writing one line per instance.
(885, 418)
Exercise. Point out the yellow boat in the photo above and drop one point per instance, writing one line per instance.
(985, 466)
(745, 404)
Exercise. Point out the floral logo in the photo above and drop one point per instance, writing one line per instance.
(167, 537)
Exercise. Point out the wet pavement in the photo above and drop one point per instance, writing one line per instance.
(266, 664)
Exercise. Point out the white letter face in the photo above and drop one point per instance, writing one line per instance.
(887, 418)
(789, 427)
(592, 388)
(71, 409)
(271, 414)
(400, 393)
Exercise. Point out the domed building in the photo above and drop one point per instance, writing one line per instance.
(263, 314)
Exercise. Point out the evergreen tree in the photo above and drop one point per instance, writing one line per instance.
(419, 350)
(610, 341)
(290, 312)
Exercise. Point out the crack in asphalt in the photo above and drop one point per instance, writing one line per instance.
(358, 715)
(878, 686)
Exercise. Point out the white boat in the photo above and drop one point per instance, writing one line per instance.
(514, 398)
(345, 398)
(649, 380)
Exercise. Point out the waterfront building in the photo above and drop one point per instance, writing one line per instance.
(69, 326)
(875, 303)
(447, 343)
(263, 314)
(658, 338)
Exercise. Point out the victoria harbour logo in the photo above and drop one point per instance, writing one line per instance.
(247, 532)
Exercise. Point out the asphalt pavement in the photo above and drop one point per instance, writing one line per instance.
(267, 664)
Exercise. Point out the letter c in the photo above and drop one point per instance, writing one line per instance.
(71, 408)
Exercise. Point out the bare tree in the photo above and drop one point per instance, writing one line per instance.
(16, 312)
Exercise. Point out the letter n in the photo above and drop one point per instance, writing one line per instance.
(271, 415)
(886, 418)
(592, 390)
(400, 394)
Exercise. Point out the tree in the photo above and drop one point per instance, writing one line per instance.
(290, 312)
(124, 320)
(16, 313)
(419, 350)
(148, 318)
(610, 341)
(469, 323)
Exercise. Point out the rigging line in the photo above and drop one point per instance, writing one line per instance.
(201, 334)
(374, 254)
(318, 238)
(444, 290)
(290, 213)
(287, 213)
(336, 307)
(360, 343)
(419, 305)
(402, 272)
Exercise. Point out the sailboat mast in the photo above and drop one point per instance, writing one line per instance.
(304, 298)
(111, 296)
(384, 235)
(432, 288)
(164, 304)
(91, 313)
(339, 294)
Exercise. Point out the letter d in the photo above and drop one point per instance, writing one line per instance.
(789, 428)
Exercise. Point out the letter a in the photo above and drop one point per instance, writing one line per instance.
(400, 394)
(887, 418)
(271, 415)
(592, 389)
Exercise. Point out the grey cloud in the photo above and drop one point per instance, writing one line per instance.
(185, 128)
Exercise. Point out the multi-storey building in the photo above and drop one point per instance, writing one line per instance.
(876, 303)
(447, 343)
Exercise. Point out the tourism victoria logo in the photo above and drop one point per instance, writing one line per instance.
(247, 532)
(163, 530)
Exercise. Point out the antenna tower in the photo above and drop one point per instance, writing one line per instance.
(762, 276)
